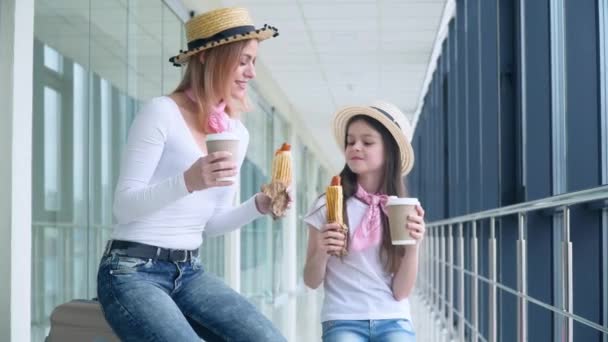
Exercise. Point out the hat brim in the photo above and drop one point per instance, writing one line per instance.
(260, 34)
(342, 117)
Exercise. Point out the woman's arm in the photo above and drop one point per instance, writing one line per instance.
(227, 218)
(134, 195)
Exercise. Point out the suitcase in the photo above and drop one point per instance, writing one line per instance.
(80, 320)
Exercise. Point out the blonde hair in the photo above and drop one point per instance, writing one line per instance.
(209, 82)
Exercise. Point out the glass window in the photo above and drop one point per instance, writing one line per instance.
(172, 27)
(94, 63)
(280, 134)
(256, 238)
(52, 167)
(52, 59)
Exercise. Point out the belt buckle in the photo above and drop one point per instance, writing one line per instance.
(185, 254)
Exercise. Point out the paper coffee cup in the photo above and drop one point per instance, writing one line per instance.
(398, 209)
(223, 142)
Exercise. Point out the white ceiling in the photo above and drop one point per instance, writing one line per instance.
(335, 53)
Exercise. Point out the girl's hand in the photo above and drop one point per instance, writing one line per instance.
(205, 171)
(330, 240)
(415, 224)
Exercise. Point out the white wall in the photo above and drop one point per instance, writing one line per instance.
(16, 56)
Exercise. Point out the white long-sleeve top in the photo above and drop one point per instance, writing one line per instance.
(152, 204)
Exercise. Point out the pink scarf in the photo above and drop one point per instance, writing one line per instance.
(369, 232)
(218, 119)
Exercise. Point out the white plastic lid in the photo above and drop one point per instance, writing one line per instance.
(394, 200)
(222, 136)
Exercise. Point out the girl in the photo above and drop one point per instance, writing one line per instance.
(366, 291)
(151, 284)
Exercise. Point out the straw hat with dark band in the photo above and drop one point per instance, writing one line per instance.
(390, 117)
(218, 27)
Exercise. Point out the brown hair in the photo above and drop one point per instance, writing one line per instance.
(391, 184)
(208, 80)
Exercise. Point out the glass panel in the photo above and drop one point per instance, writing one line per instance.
(312, 180)
(52, 59)
(52, 167)
(212, 255)
(107, 82)
(302, 203)
(257, 238)
(80, 107)
(144, 40)
(94, 63)
(172, 29)
(280, 133)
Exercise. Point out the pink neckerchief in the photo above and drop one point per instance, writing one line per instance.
(218, 119)
(369, 232)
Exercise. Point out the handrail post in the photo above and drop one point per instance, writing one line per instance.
(461, 324)
(474, 288)
(451, 280)
(567, 273)
(522, 281)
(444, 268)
(431, 262)
(493, 317)
(438, 267)
(429, 266)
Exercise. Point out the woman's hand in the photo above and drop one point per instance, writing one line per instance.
(289, 198)
(203, 174)
(263, 202)
(415, 224)
(331, 240)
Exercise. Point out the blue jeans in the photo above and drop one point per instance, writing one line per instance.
(147, 300)
(384, 330)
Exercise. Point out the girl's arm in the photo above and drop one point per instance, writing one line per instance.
(320, 244)
(405, 277)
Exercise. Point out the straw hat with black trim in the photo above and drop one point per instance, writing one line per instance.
(390, 117)
(219, 27)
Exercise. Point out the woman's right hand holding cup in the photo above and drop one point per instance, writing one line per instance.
(205, 171)
(331, 239)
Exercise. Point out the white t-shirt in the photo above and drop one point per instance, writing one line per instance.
(151, 202)
(357, 287)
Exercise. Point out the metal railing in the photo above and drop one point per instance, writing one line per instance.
(443, 257)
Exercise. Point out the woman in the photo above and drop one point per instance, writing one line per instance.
(367, 290)
(151, 284)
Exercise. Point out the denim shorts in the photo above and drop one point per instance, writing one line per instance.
(383, 330)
